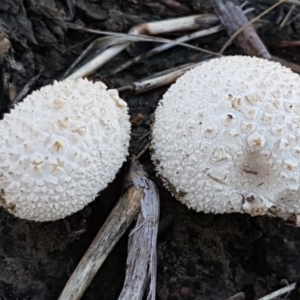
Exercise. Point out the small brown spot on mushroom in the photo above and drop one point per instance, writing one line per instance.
(273, 210)
(237, 103)
(157, 162)
(250, 198)
(57, 103)
(57, 146)
(250, 172)
(8, 206)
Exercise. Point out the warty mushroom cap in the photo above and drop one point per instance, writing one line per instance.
(226, 137)
(61, 146)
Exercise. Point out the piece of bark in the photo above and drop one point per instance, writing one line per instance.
(142, 256)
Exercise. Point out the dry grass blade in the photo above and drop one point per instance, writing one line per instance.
(142, 257)
(125, 211)
(161, 48)
(294, 2)
(105, 42)
(71, 7)
(138, 34)
(287, 16)
(117, 37)
(144, 149)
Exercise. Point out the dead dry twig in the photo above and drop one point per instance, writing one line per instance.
(142, 256)
(157, 80)
(233, 19)
(233, 36)
(138, 195)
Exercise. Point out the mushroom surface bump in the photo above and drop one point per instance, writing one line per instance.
(226, 137)
(60, 147)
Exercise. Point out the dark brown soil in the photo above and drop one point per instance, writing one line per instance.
(199, 256)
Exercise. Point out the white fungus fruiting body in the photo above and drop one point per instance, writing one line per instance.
(60, 147)
(226, 137)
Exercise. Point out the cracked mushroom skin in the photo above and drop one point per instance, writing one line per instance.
(226, 137)
(60, 147)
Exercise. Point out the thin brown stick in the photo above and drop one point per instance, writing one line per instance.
(176, 6)
(283, 44)
(143, 150)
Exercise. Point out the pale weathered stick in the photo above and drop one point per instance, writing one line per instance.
(233, 36)
(250, 40)
(163, 47)
(152, 28)
(280, 292)
(118, 221)
(238, 296)
(232, 17)
(158, 79)
(142, 256)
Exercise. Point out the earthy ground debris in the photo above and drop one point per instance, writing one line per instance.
(199, 256)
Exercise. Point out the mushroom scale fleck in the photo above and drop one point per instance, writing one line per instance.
(226, 137)
(60, 147)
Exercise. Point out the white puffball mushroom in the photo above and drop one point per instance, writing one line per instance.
(61, 146)
(226, 137)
